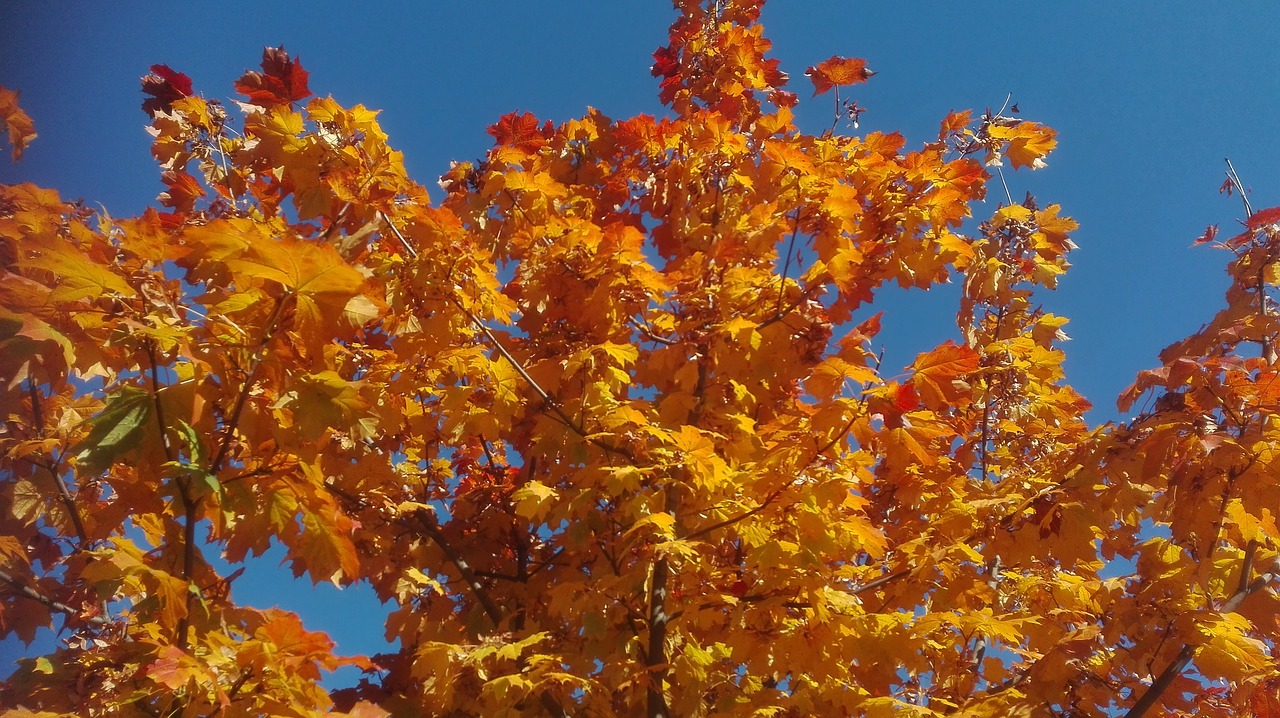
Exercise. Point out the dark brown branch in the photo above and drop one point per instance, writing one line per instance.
(1162, 682)
(655, 653)
(786, 262)
(154, 373)
(428, 525)
(26, 591)
(229, 429)
(1245, 588)
(190, 504)
(190, 509)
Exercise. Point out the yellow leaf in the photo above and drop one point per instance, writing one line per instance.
(621, 354)
(654, 525)
(533, 500)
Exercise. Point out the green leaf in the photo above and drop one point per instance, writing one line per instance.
(195, 446)
(116, 430)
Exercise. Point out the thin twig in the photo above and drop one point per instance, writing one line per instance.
(887, 578)
(1007, 195)
(547, 399)
(64, 493)
(155, 400)
(426, 524)
(777, 492)
(404, 242)
(1235, 180)
(786, 264)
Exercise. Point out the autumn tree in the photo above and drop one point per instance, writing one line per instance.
(606, 422)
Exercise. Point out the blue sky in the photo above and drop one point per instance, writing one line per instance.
(1148, 99)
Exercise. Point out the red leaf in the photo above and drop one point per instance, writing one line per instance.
(520, 132)
(666, 62)
(282, 80)
(165, 85)
(905, 398)
(1263, 217)
(1209, 233)
(837, 71)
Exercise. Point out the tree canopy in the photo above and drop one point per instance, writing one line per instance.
(604, 420)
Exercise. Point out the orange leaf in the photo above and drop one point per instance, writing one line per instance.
(173, 670)
(520, 131)
(947, 362)
(1029, 142)
(837, 72)
(21, 129)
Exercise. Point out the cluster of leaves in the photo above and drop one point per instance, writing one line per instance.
(606, 426)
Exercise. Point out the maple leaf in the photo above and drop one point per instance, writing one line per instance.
(1028, 143)
(520, 131)
(1210, 233)
(937, 371)
(183, 190)
(20, 127)
(837, 72)
(281, 82)
(165, 86)
(600, 420)
(1262, 218)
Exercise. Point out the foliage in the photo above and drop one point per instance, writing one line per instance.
(606, 425)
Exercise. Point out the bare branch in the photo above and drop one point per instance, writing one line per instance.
(26, 591)
(1235, 180)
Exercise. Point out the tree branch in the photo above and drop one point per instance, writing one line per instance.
(26, 591)
(426, 524)
(655, 653)
(1245, 588)
(64, 493)
(786, 262)
(190, 504)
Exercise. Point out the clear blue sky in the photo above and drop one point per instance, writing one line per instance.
(1148, 99)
